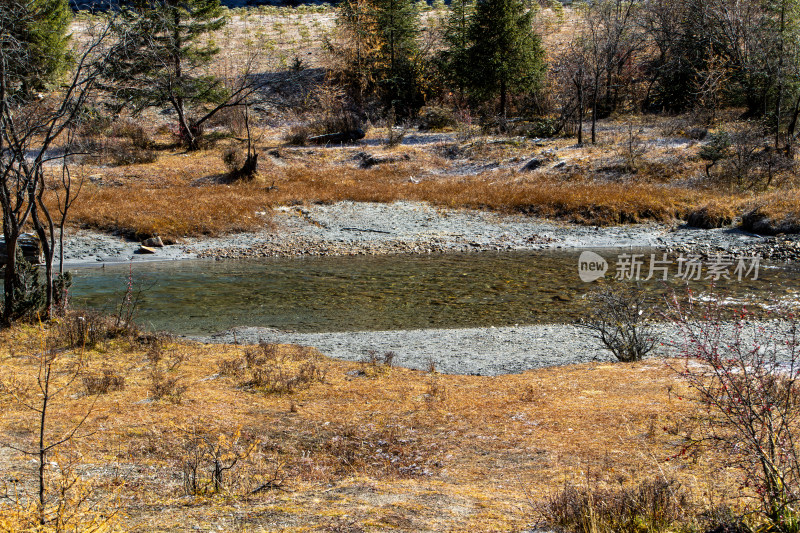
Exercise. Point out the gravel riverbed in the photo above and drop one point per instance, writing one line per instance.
(349, 228)
(478, 351)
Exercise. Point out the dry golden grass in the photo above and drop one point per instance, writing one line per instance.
(375, 448)
(151, 199)
(173, 212)
(185, 195)
(780, 207)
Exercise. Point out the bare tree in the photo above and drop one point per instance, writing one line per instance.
(52, 382)
(611, 40)
(619, 319)
(570, 73)
(30, 131)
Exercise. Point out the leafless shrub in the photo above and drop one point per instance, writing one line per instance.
(103, 383)
(374, 364)
(263, 353)
(749, 162)
(619, 320)
(298, 135)
(748, 383)
(653, 505)
(632, 149)
(122, 155)
(158, 350)
(389, 449)
(120, 143)
(529, 394)
(165, 387)
(233, 158)
(741, 167)
(437, 118)
(395, 133)
(209, 461)
(273, 378)
(270, 369)
(437, 391)
(330, 113)
(674, 126)
(231, 367)
(155, 352)
(133, 132)
(230, 118)
(83, 329)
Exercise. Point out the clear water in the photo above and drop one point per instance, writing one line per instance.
(374, 293)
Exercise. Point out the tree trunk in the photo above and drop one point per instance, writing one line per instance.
(42, 455)
(778, 100)
(503, 97)
(46, 238)
(580, 108)
(594, 111)
(791, 128)
(10, 278)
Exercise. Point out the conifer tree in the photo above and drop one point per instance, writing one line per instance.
(397, 25)
(380, 53)
(455, 57)
(41, 29)
(505, 54)
(162, 59)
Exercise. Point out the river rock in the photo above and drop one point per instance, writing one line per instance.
(146, 250)
(532, 165)
(153, 242)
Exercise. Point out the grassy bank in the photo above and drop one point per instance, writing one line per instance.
(324, 445)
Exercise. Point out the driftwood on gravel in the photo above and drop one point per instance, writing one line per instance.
(371, 160)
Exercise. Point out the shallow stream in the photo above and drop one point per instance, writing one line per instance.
(199, 297)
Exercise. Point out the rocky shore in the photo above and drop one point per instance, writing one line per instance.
(349, 228)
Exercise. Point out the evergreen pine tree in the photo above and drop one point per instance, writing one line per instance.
(162, 59)
(505, 54)
(357, 49)
(397, 26)
(456, 36)
(39, 29)
(380, 52)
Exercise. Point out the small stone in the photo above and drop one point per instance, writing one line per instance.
(532, 165)
(153, 242)
(146, 250)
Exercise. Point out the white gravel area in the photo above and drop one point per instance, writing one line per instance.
(349, 228)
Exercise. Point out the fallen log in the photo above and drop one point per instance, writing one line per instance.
(338, 138)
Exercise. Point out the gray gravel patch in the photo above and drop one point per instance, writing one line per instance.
(503, 350)
(478, 351)
(350, 228)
